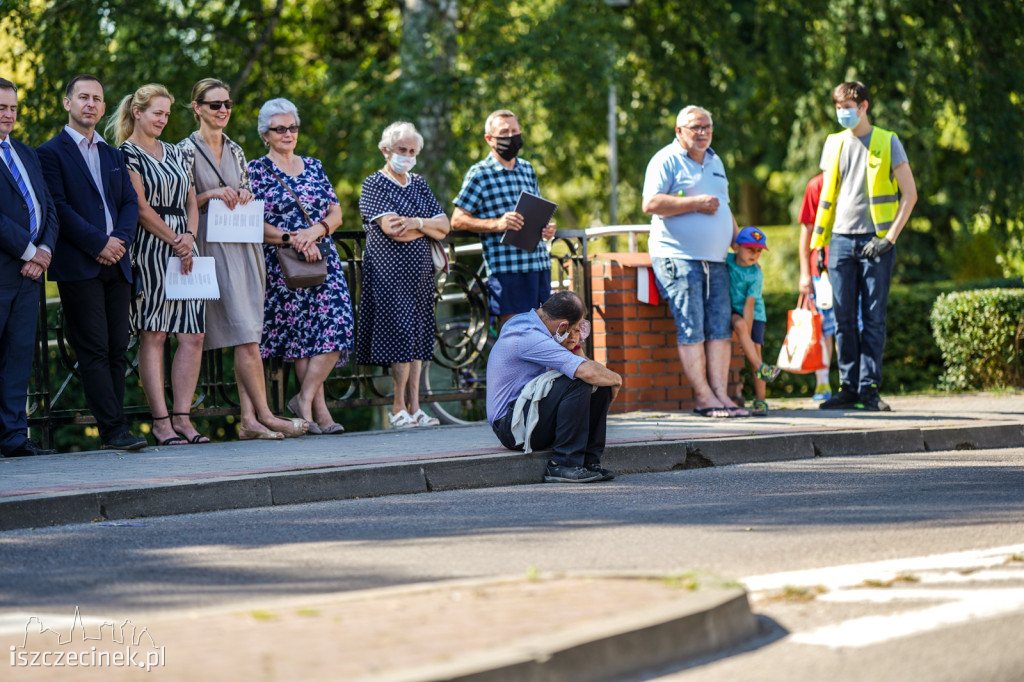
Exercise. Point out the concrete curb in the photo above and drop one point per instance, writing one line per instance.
(710, 620)
(479, 471)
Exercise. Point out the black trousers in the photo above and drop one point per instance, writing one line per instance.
(572, 421)
(96, 320)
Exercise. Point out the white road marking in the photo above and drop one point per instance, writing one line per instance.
(860, 632)
(917, 578)
(835, 577)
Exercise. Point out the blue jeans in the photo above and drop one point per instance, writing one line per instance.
(697, 293)
(853, 276)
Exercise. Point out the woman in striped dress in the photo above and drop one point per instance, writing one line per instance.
(168, 220)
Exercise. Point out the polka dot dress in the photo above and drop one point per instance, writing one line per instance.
(396, 311)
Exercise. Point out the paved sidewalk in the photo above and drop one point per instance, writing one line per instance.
(470, 630)
(81, 487)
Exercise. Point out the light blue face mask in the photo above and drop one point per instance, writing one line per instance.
(848, 118)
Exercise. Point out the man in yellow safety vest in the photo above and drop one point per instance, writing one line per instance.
(867, 195)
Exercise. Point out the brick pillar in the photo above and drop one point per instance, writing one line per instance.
(638, 340)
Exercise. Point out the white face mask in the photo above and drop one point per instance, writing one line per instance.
(559, 338)
(402, 164)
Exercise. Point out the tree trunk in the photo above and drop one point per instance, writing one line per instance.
(428, 64)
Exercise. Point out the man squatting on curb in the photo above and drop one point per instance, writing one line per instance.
(541, 395)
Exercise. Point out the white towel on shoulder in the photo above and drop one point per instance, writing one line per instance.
(533, 392)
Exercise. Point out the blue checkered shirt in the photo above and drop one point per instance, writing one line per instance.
(489, 190)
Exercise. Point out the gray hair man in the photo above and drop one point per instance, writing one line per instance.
(687, 193)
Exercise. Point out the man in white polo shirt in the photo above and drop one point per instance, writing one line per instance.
(687, 193)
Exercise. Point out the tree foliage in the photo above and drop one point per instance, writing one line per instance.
(946, 76)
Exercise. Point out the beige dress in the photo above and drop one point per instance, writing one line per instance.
(237, 318)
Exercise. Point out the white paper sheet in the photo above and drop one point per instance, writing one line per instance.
(243, 224)
(198, 285)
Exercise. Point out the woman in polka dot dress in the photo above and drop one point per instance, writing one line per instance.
(396, 311)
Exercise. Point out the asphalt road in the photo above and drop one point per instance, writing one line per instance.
(740, 521)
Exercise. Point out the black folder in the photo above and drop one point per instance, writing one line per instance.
(537, 213)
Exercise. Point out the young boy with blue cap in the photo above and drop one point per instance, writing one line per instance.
(748, 313)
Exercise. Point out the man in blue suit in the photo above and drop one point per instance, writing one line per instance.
(99, 213)
(28, 231)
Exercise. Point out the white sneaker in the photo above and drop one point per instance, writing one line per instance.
(402, 420)
(423, 419)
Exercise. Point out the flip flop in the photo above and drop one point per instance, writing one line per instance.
(712, 412)
(198, 439)
(299, 428)
(738, 412)
(258, 434)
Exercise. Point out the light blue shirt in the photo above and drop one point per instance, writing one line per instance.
(30, 250)
(91, 154)
(523, 351)
(695, 235)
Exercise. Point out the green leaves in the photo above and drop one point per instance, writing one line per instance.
(945, 76)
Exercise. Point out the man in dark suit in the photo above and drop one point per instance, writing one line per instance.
(99, 213)
(28, 231)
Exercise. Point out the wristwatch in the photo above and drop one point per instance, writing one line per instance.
(286, 237)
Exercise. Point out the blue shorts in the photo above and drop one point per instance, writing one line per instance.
(828, 319)
(757, 332)
(511, 293)
(697, 293)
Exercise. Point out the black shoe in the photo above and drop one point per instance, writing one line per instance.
(562, 474)
(844, 399)
(28, 449)
(125, 441)
(606, 475)
(870, 402)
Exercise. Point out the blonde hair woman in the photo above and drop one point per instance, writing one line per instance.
(168, 219)
(217, 166)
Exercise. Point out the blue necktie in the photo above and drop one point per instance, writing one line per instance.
(33, 228)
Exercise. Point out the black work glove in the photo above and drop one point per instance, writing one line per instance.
(876, 247)
(821, 260)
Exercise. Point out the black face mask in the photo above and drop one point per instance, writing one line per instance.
(508, 147)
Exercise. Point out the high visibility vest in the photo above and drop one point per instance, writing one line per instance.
(883, 193)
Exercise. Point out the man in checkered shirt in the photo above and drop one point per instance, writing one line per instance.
(518, 281)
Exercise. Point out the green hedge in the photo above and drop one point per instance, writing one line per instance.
(980, 336)
(912, 361)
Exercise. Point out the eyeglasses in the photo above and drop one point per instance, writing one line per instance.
(215, 106)
(700, 129)
(281, 130)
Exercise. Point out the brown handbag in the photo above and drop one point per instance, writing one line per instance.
(298, 272)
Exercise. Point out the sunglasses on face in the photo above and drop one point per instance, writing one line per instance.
(281, 130)
(215, 106)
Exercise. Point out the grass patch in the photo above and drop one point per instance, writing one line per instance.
(263, 615)
(797, 593)
(901, 578)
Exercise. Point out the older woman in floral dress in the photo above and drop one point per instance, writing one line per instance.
(312, 326)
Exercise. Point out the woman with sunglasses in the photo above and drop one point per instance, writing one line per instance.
(312, 326)
(219, 171)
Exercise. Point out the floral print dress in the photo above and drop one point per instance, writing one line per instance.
(304, 322)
